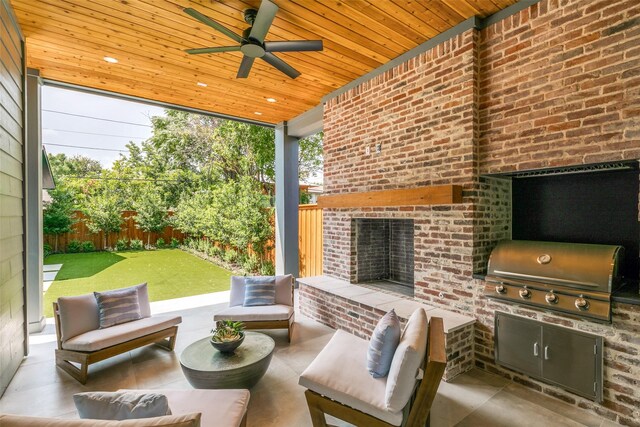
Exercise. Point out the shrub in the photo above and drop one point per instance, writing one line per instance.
(136, 245)
(74, 246)
(149, 247)
(267, 268)
(230, 256)
(88, 246)
(122, 244)
(251, 263)
(47, 250)
(175, 242)
(216, 251)
(160, 242)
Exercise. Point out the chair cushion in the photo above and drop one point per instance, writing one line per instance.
(283, 290)
(260, 312)
(102, 338)
(339, 373)
(185, 420)
(259, 291)
(78, 314)
(383, 344)
(220, 408)
(99, 405)
(407, 361)
(118, 306)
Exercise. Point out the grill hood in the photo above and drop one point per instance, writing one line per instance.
(588, 267)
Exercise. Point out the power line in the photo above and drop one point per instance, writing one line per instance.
(96, 118)
(94, 133)
(88, 148)
(121, 179)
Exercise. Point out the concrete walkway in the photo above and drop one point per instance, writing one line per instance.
(49, 273)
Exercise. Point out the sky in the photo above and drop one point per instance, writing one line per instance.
(95, 126)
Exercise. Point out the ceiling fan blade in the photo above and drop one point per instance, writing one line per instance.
(213, 24)
(245, 67)
(293, 46)
(278, 63)
(212, 50)
(263, 21)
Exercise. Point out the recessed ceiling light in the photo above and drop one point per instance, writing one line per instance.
(271, 100)
(110, 60)
(202, 84)
(258, 113)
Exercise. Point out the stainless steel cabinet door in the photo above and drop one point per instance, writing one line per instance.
(519, 344)
(571, 359)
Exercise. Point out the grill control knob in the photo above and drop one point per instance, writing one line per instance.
(582, 303)
(501, 289)
(551, 298)
(525, 293)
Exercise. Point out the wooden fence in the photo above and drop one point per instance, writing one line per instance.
(309, 237)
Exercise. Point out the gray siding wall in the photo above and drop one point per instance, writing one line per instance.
(12, 307)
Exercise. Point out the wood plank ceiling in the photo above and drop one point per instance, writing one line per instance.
(68, 39)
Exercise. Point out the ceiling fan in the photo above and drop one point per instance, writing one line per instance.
(252, 43)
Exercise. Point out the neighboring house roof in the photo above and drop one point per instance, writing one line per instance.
(48, 181)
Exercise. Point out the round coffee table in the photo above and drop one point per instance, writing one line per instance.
(206, 367)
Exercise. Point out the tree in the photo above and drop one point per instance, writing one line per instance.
(76, 166)
(151, 214)
(57, 217)
(104, 213)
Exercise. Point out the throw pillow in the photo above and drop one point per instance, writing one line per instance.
(259, 291)
(120, 405)
(383, 344)
(119, 306)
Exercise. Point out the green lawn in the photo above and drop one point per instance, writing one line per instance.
(170, 273)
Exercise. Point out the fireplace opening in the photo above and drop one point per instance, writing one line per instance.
(383, 251)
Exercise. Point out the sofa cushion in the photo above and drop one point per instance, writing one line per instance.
(339, 372)
(118, 306)
(143, 299)
(383, 344)
(184, 420)
(407, 361)
(100, 405)
(78, 314)
(102, 338)
(283, 290)
(260, 312)
(259, 291)
(220, 408)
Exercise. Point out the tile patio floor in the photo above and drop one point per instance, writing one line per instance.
(472, 399)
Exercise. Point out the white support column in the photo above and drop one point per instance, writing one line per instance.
(287, 198)
(33, 203)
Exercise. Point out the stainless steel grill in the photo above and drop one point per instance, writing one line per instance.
(572, 278)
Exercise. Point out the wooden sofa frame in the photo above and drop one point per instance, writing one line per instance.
(275, 324)
(420, 402)
(165, 338)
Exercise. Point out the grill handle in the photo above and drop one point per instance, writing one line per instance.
(535, 349)
(546, 352)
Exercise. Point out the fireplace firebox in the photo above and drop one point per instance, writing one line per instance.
(383, 252)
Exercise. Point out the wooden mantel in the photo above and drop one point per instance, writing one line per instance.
(430, 195)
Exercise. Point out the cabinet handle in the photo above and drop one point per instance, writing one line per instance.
(535, 349)
(546, 352)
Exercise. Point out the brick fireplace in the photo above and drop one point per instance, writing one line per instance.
(383, 252)
(556, 84)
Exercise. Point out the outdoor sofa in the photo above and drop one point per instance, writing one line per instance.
(189, 408)
(82, 342)
(274, 316)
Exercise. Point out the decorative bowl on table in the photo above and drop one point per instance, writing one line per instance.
(227, 346)
(227, 336)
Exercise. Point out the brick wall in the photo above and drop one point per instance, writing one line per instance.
(555, 84)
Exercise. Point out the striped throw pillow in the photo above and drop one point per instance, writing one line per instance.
(259, 291)
(383, 344)
(116, 307)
